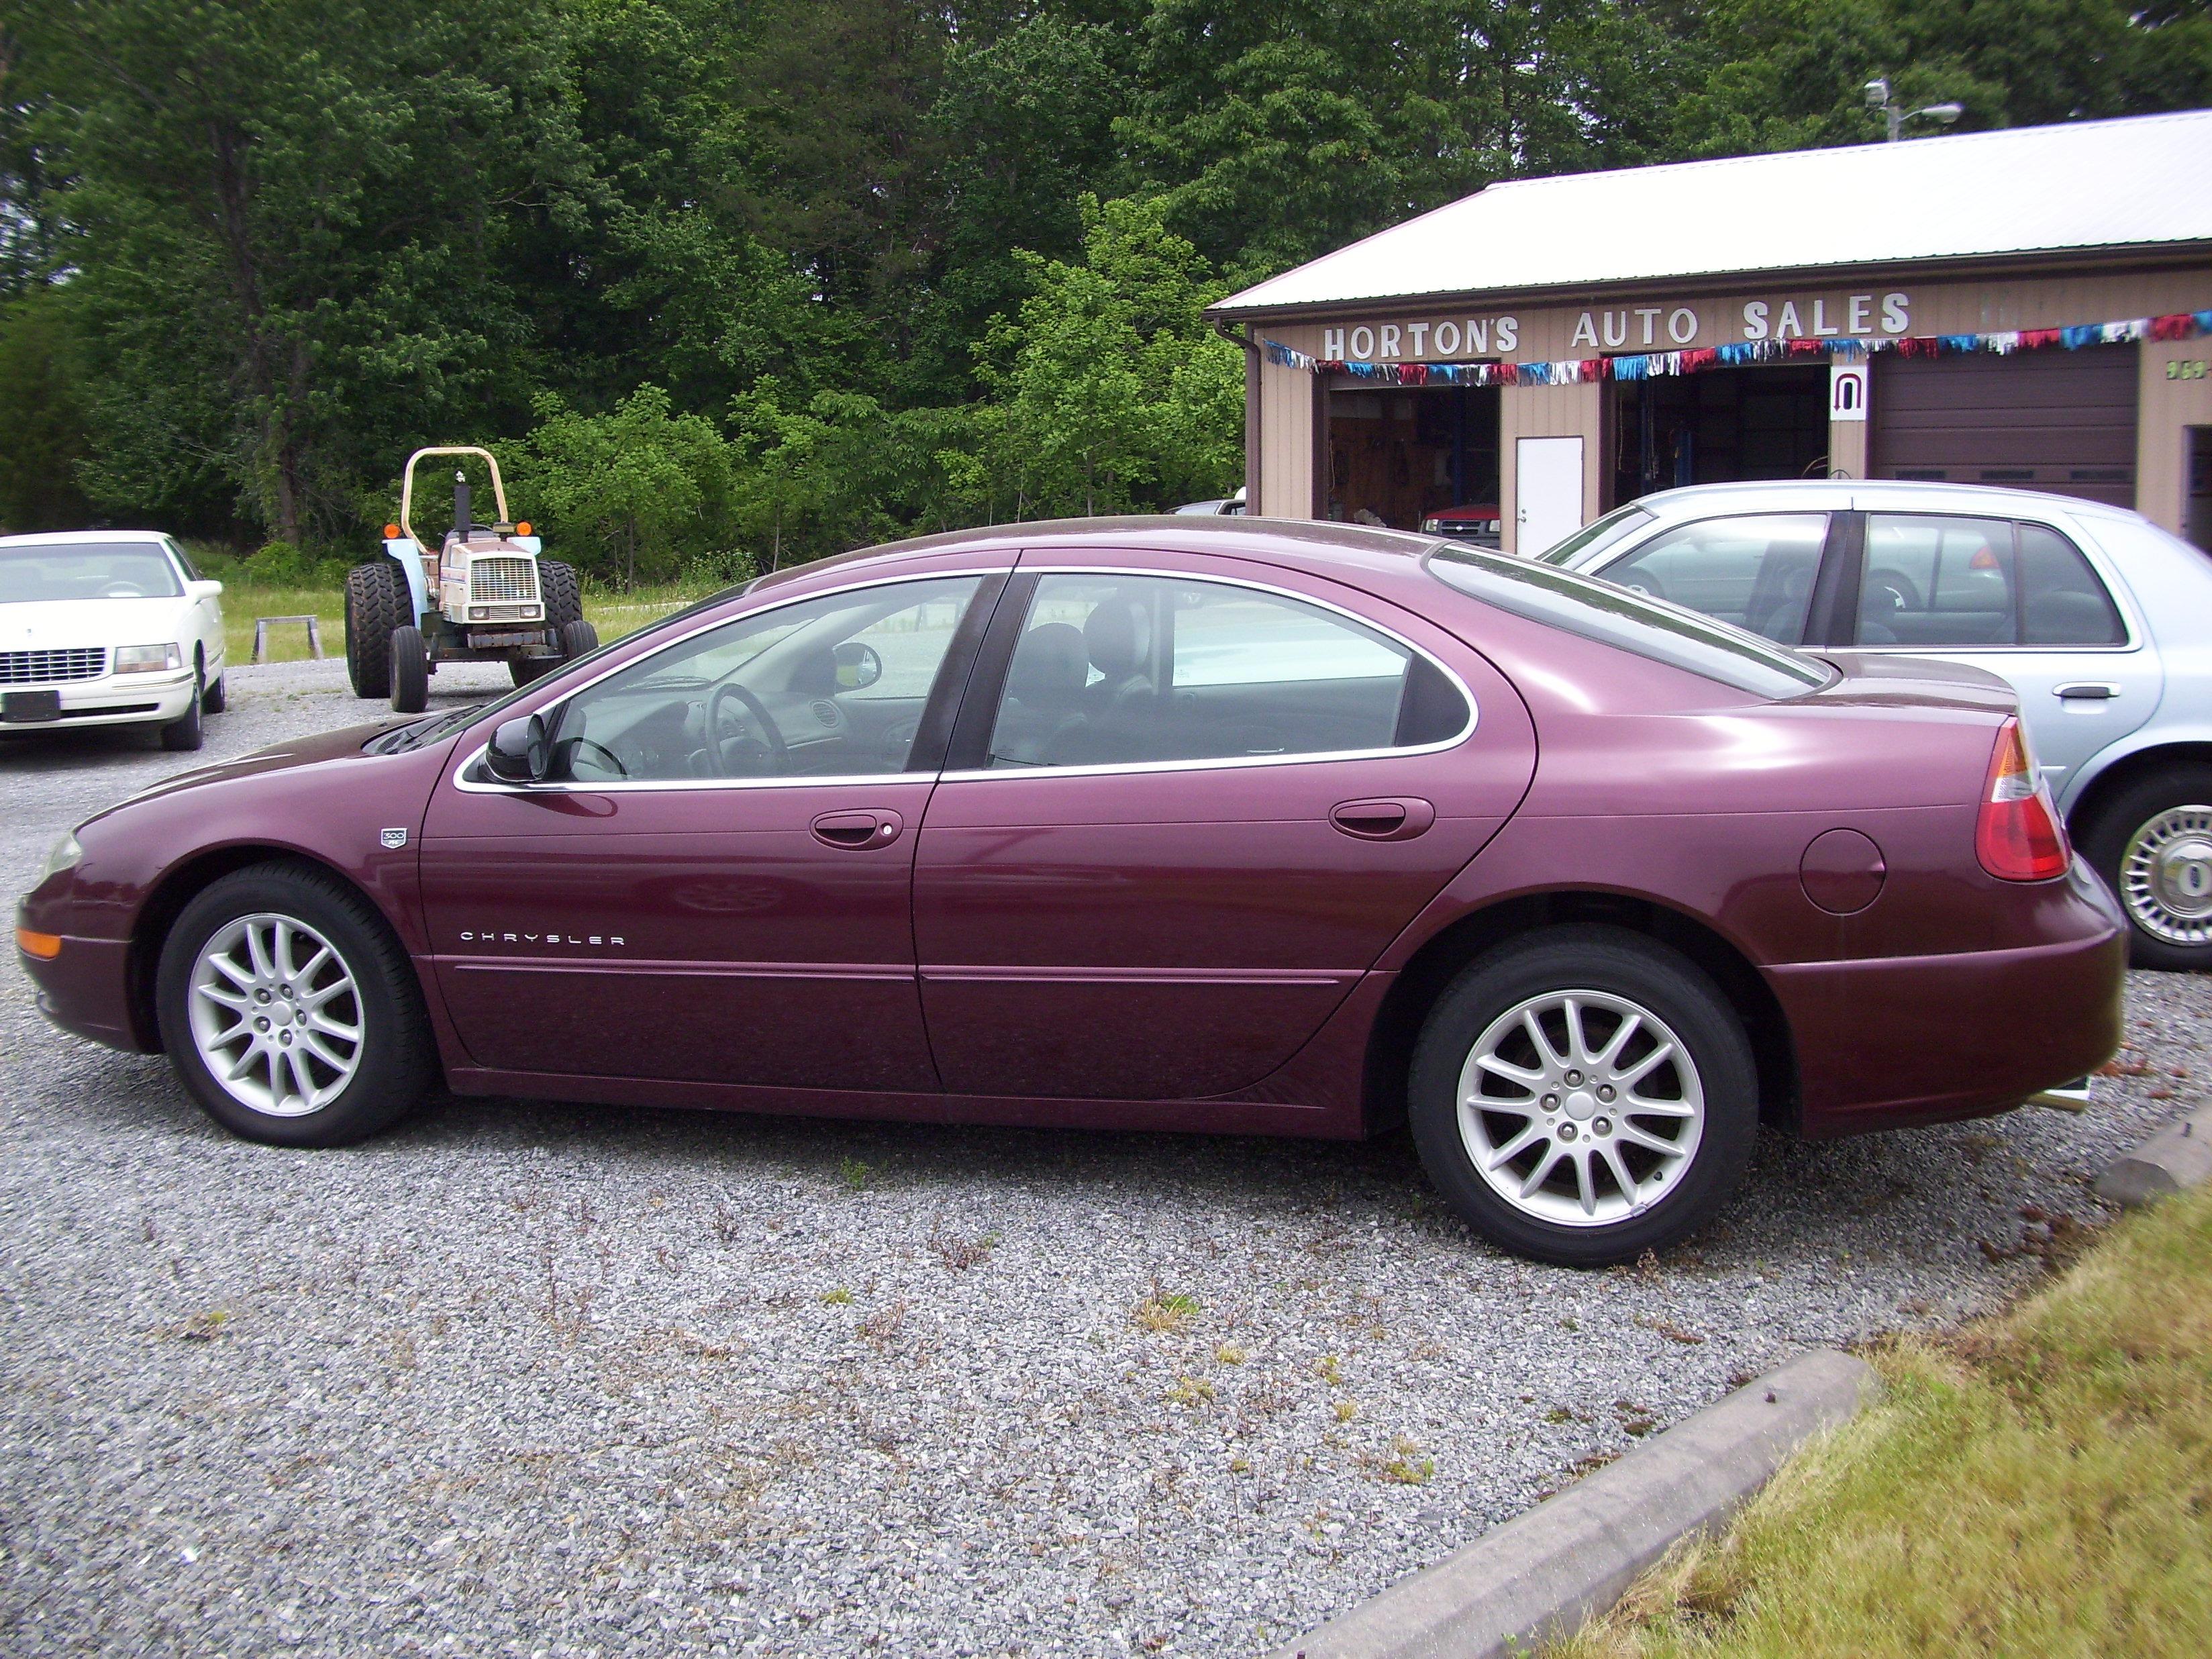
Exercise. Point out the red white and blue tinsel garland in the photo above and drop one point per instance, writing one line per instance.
(1574, 371)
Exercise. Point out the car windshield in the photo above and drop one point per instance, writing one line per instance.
(1613, 615)
(30, 573)
(1617, 525)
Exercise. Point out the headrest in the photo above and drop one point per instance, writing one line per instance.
(1115, 635)
(1049, 662)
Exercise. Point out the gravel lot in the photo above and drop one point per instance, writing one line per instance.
(549, 1381)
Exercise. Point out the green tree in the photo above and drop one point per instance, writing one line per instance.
(289, 218)
(43, 418)
(642, 485)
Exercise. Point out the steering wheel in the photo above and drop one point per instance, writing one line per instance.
(898, 742)
(1896, 586)
(122, 590)
(777, 748)
(1639, 582)
(609, 755)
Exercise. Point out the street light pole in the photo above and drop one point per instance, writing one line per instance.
(1894, 118)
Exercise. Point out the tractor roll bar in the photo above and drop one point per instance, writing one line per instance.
(407, 486)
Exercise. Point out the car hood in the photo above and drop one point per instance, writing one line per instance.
(322, 748)
(67, 625)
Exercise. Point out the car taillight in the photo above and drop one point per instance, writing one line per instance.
(2017, 836)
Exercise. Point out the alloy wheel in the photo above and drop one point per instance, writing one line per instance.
(274, 1015)
(1580, 1108)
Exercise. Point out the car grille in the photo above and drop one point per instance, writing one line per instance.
(501, 579)
(44, 667)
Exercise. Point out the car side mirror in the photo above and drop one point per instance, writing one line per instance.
(858, 667)
(521, 751)
(205, 590)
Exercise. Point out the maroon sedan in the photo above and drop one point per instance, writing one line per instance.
(1182, 824)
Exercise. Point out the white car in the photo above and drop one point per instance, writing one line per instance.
(107, 628)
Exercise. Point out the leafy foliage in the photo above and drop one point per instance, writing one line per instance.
(774, 280)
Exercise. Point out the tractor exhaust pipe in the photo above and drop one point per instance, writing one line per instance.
(461, 504)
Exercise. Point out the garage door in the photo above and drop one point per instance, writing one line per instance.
(2055, 420)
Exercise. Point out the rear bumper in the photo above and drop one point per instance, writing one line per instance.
(1895, 1041)
(86, 991)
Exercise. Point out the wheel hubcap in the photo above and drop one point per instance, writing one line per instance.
(274, 1015)
(1580, 1108)
(2165, 876)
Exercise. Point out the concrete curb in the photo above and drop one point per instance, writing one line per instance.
(1541, 1573)
(2177, 1156)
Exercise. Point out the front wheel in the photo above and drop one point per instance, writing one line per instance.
(184, 733)
(2152, 843)
(411, 672)
(289, 1011)
(1583, 1095)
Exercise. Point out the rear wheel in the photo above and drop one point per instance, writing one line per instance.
(578, 638)
(289, 1011)
(411, 672)
(1583, 1096)
(376, 602)
(2152, 843)
(562, 593)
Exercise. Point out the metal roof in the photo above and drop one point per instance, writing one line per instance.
(2138, 182)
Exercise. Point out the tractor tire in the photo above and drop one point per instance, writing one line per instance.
(578, 638)
(563, 596)
(377, 601)
(411, 672)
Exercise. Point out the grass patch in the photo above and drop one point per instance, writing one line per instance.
(2038, 1483)
(614, 614)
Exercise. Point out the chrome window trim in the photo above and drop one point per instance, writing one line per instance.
(1232, 762)
(488, 785)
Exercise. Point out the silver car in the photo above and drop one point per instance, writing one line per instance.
(2102, 621)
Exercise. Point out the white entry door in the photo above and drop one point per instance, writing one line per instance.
(1547, 493)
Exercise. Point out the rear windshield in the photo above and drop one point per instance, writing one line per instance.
(30, 572)
(1613, 615)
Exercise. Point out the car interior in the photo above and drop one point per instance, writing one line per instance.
(832, 687)
(1755, 570)
(1137, 669)
(1952, 580)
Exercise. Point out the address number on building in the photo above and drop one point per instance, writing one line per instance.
(2186, 369)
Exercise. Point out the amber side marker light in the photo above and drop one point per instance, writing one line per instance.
(47, 947)
(391, 532)
(522, 529)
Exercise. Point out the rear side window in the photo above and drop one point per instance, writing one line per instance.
(1115, 669)
(1952, 581)
(1754, 570)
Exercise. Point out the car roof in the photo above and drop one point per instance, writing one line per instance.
(1316, 544)
(1903, 492)
(80, 537)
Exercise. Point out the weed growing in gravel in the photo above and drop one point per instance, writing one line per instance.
(1329, 1370)
(855, 1174)
(726, 1228)
(959, 1254)
(1406, 1466)
(202, 1327)
(837, 1297)
(881, 1326)
(1229, 1354)
(1193, 1391)
(1166, 1310)
(1347, 1410)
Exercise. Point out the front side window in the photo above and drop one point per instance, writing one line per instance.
(1117, 670)
(825, 688)
(1755, 570)
(1950, 582)
(34, 572)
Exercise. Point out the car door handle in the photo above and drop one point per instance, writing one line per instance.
(1399, 818)
(2091, 689)
(856, 832)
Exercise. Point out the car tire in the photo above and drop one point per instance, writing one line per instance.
(302, 941)
(2152, 844)
(523, 669)
(411, 672)
(578, 638)
(215, 699)
(186, 732)
(1663, 1151)
(564, 594)
(377, 601)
